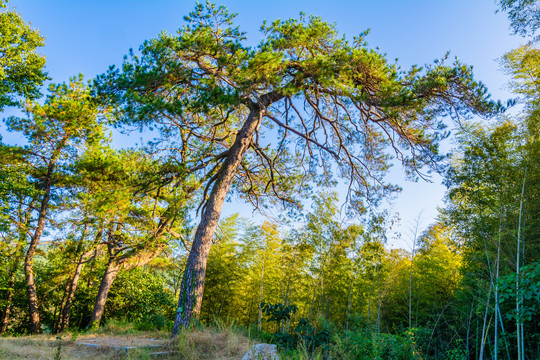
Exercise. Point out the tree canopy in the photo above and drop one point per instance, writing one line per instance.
(21, 67)
(92, 233)
(334, 106)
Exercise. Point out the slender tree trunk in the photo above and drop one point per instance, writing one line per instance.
(484, 325)
(368, 319)
(415, 235)
(259, 323)
(476, 339)
(349, 292)
(7, 310)
(322, 294)
(33, 309)
(224, 297)
(110, 274)
(469, 320)
(9, 299)
(410, 290)
(313, 299)
(496, 340)
(66, 308)
(503, 332)
(519, 322)
(116, 263)
(25, 217)
(378, 304)
(191, 290)
(286, 302)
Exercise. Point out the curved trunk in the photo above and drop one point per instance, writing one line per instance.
(33, 310)
(191, 289)
(29, 260)
(106, 283)
(66, 309)
(115, 264)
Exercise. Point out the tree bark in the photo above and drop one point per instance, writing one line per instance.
(12, 273)
(191, 290)
(33, 311)
(111, 271)
(66, 308)
(117, 262)
(7, 310)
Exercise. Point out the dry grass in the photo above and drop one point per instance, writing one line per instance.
(209, 343)
(222, 344)
(46, 347)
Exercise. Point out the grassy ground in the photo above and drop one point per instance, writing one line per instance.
(209, 343)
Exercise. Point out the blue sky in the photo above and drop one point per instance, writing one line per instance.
(88, 36)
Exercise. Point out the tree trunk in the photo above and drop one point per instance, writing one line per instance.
(496, 340)
(12, 272)
(368, 319)
(117, 262)
(191, 290)
(66, 309)
(519, 322)
(7, 310)
(261, 289)
(482, 344)
(469, 320)
(316, 285)
(415, 236)
(33, 311)
(31, 289)
(349, 292)
(378, 304)
(111, 272)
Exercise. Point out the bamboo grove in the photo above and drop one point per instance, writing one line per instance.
(90, 233)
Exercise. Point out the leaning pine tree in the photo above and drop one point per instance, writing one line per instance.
(305, 107)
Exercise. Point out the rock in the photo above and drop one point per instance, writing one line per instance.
(262, 352)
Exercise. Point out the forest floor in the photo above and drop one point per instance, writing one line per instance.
(208, 343)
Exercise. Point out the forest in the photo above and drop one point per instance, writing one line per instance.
(308, 122)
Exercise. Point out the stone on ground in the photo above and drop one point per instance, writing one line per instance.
(262, 352)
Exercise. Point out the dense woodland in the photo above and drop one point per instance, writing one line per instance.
(90, 233)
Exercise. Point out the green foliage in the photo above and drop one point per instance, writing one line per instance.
(21, 67)
(198, 86)
(350, 293)
(523, 15)
(359, 346)
(529, 292)
(140, 296)
(278, 312)
(55, 131)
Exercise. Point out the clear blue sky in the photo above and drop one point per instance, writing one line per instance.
(88, 36)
